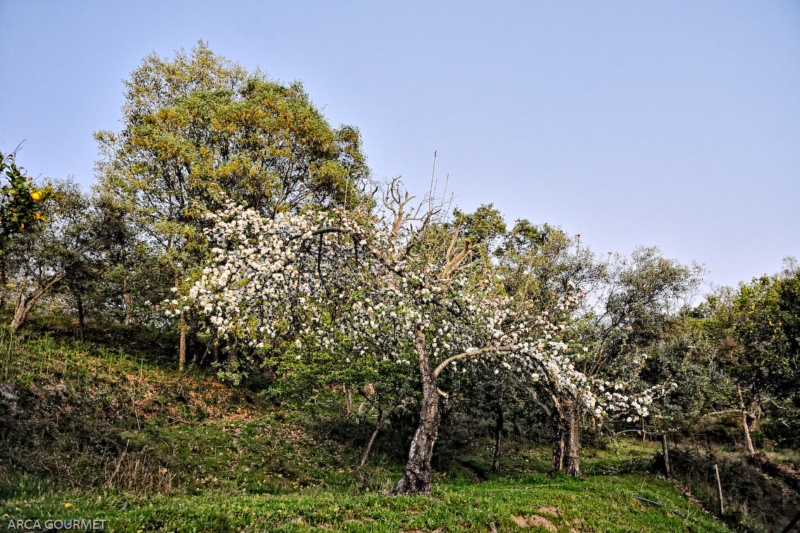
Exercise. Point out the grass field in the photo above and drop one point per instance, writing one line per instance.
(598, 503)
(110, 430)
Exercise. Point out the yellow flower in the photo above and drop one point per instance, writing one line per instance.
(36, 195)
(67, 505)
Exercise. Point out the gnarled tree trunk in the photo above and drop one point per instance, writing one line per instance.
(417, 476)
(567, 443)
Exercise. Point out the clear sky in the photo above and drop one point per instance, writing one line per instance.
(673, 123)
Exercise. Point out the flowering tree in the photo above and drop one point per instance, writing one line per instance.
(398, 285)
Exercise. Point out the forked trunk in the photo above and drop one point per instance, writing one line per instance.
(417, 476)
(26, 302)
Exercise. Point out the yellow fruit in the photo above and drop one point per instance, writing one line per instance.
(36, 195)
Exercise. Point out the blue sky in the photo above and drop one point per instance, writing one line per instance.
(674, 124)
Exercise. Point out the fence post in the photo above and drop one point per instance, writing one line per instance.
(719, 491)
(665, 448)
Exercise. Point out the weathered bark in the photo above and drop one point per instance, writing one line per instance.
(567, 443)
(498, 438)
(372, 438)
(748, 442)
(572, 446)
(26, 302)
(665, 448)
(417, 476)
(557, 464)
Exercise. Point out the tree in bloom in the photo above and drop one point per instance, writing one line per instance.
(399, 285)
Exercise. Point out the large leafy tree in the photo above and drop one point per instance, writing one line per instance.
(756, 329)
(198, 126)
(768, 333)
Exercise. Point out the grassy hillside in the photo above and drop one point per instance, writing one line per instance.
(110, 430)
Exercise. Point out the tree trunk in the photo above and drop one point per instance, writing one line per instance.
(372, 438)
(192, 344)
(3, 279)
(572, 445)
(559, 439)
(417, 476)
(665, 448)
(557, 464)
(348, 403)
(748, 442)
(567, 444)
(127, 299)
(81, 326)
(26, 303)
(182, 349)
(498, 439)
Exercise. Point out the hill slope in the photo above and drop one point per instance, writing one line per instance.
(110, 430)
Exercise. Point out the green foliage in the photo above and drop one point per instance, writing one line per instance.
(767, 330)
(684, 357)
(20, 202)
(200, 129)
(484, 228)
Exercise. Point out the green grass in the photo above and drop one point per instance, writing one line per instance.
(112, 429)
(597, 503)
